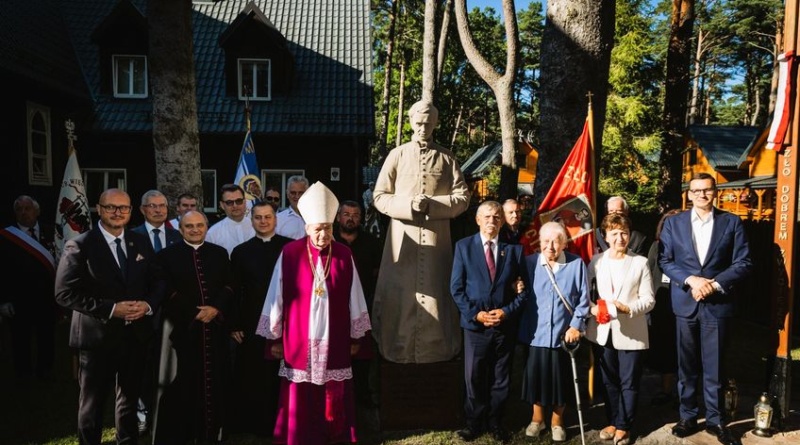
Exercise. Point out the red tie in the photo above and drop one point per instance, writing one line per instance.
(490, 259)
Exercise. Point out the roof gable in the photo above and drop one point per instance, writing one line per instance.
(724, 146)
(331, 45)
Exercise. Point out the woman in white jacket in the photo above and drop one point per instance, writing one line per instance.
(619, 326)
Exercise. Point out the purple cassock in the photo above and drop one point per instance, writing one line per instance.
(317, 314)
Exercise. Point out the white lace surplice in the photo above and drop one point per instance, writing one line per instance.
(270, 325)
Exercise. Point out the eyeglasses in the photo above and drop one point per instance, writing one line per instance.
(272, 198)
(111, 208)
(703, 191)
(231, 202)
(155, 206)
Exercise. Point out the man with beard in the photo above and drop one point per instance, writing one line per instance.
(367, 255)
(255, 379)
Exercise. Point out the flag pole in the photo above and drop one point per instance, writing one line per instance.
(592, 164)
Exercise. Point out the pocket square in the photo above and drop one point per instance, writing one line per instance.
(139, 257)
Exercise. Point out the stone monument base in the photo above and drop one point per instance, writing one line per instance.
(422, 396)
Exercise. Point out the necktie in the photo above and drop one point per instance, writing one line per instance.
(32, 233)
(156, 240)
(490, 259)
(121, 258)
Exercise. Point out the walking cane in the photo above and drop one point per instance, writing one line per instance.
(571, 348)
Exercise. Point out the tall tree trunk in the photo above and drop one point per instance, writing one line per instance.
(448, 11)
(428, 52)
(693, 109)
(676, 90)
(501, 85)
(176, 138)
(387, 83)
(401, 103)
(576, 55)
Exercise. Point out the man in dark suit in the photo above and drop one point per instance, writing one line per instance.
(704, 253)
(483, 285)
(28, 298)
(109, 278)
(254, 404)
(154, 207)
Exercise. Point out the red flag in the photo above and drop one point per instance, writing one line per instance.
(785, 102)
(570, 201)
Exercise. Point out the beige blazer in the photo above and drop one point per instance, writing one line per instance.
(629, 331)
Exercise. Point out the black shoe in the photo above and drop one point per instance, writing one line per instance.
(684, 428)
(468, 434)
(723, 434)
(500, 434)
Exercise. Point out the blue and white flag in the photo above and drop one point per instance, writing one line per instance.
(248, 177)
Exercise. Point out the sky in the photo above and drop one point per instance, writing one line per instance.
(498, 4)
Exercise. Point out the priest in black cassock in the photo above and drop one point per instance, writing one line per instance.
(254, 401)
(198, 304)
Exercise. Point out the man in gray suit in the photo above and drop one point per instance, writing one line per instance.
(108, 277)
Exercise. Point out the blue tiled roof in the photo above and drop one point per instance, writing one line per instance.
(477, 164)
(722, 145)
(329, 39)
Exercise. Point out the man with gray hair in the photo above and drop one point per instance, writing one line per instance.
(290, 221)
(638, 242)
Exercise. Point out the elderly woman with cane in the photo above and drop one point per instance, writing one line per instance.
(619, 326)
(555, 314)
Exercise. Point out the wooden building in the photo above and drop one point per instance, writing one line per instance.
(744, 169)
(478, 167)
(308, 64)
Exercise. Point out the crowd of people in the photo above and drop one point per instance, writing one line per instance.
(261, 323)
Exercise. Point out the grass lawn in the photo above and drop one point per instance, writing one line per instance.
(44, 412)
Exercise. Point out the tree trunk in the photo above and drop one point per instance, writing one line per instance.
(693, 110)
(448, 11)
(401, 104)
(576, 55)
(387, 83)
(676, 89)
(456, 126)
(501, 85)
(176, 138)
(428, 52)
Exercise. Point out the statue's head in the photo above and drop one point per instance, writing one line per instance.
(423, 117)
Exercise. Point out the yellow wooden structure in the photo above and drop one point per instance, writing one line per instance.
(477, 167)
(744, 169)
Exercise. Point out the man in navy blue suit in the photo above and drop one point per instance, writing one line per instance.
(108, 277)
(705, 270)
(483, 285)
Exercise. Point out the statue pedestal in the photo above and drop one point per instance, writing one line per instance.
(422, 396)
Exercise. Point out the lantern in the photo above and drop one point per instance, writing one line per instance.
(762, 413)
(731, 398)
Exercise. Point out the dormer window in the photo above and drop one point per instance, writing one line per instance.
(130, 76)
(255, 79)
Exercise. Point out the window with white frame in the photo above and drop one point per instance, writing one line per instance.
(40, 161)
(209, 180)
(255, 79)
(130, 76)
(278, 178)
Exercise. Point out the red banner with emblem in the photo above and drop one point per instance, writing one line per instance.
(570, 201)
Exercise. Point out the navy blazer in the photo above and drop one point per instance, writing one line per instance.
(727, 261)
(90, 282)
(172, 235)
(472, 289)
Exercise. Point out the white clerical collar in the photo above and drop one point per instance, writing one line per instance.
(265, 238)
(193, 246)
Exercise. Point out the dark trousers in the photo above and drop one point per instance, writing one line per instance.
(487, 360)
(701, 340)
(100, 371)
(622, 372)
(27, 331)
